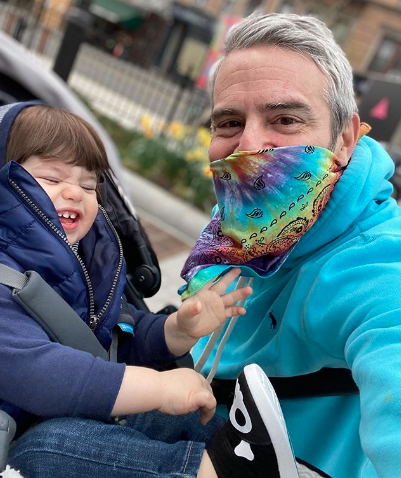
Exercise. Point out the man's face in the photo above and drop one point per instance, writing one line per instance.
(268, 97)
(72, 190)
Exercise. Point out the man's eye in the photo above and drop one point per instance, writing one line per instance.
(286, 121)
(229, 124)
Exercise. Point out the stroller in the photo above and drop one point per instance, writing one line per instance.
(22, 79)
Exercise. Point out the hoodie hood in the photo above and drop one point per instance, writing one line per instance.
(8, 113)
(363, 186)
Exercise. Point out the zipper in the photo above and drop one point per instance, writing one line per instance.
(94, 319)
(119, 267)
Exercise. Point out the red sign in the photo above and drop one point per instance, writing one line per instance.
(380, 111)
(380, 107)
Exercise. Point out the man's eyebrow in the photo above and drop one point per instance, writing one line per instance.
(285, 105)
(221, 113)
(265, 107)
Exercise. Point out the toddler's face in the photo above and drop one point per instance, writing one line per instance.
(72, 190)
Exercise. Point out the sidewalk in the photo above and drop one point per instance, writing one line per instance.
(172, 225)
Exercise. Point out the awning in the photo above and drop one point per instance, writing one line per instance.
(117, 12)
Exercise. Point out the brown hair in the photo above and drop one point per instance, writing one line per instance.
(54, 133)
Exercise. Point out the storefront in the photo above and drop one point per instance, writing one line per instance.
(187, 41)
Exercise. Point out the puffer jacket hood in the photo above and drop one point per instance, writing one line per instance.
(8, 113)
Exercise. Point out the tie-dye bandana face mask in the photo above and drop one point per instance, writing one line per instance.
(267, 201)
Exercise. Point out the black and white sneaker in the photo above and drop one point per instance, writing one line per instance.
(306, 470)
(254, 442)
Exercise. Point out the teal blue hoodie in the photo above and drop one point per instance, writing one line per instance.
(337, 303)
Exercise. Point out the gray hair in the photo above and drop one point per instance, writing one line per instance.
(305, 35)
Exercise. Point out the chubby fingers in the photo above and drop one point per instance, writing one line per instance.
(206, 403)
(206, 415)
(193, 308)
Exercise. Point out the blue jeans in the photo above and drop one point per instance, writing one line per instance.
(148, 445)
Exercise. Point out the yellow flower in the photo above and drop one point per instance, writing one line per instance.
(203, 136)
(189, 155)
(146, 122)
(207, 172)
(196, 154)
(148, 133)
(147, 126)
(177, 130)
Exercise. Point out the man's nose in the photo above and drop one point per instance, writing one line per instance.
(254, 136)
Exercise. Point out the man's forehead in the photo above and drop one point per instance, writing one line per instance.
(273, 78)
(261, 62)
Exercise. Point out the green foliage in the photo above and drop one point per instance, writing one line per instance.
(175, 159)
(155, 159)
(122, 137)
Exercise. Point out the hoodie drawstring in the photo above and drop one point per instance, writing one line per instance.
(242, 282)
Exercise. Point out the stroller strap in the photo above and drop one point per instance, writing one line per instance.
(323, 383)
(58, 319)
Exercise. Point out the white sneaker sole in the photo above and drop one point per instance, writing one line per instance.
(269, 409)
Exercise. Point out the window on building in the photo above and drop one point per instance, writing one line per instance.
(338, 21)
(387, 58)
(191, 58)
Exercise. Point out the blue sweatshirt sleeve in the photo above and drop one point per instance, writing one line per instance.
(147, 347)
(49, 379)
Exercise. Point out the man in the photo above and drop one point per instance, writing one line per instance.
(304, 209)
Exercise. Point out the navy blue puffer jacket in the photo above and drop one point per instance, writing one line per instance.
(41, 377)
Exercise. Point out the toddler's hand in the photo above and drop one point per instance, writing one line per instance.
(206, 310)
(184, 391)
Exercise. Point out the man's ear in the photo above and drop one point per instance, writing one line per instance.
(347, 140)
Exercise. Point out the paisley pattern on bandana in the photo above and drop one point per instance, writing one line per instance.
(267, 201)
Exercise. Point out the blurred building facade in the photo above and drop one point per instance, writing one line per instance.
(368, 31)
(175, 35)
